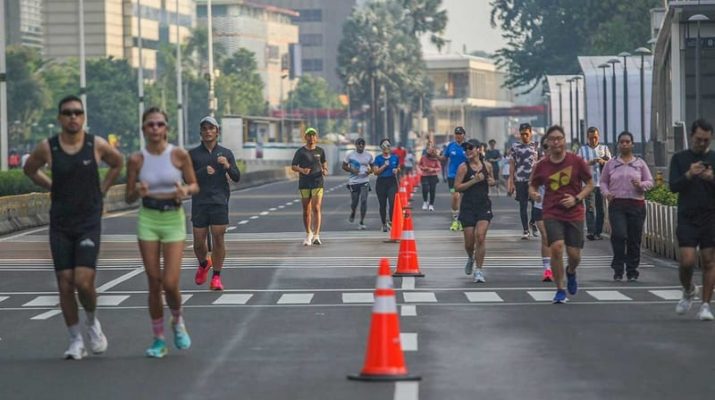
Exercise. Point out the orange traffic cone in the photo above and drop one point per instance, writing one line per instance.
(384, 360)
(397, 221)
(403, 195)
(407, 263)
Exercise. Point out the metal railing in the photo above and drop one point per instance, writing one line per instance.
(659, 230)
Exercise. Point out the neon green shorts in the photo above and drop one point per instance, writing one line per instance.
(161, 226)
(310, 193)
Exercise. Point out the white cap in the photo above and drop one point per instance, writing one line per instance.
(211, 120)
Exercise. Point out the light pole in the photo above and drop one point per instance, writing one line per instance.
(614, 134)
(212, 98)
(3, 94)
(561, 106)
(642, 51)
(383, 91)
(140, 75)
(605, 103)
(570, 81)
(698, 18)
(625, 56)
(579, 132)
(179, 97)
(82, 69)
(547, 109)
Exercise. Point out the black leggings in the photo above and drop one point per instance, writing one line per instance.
(429, 186)
(358, 194)
(386, 189)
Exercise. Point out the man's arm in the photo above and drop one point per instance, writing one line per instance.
(233, 172)
(39, 158)
(112, 157)
(679, 180)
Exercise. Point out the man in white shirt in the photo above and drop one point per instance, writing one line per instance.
(595, 155)
(359, 164)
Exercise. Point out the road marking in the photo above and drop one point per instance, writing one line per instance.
(350, 298)
(230, 228)
(289, 203)
(483, 297)
(185, 298)
(424, 297)
(254, 217)
(263, 213)
(111, 300)
(408, 311)
(409, 341)
(245, 221)
(43, 301)
(281, 206)
(407, 391)
(233, 299)
(117, 281)
(668, 294)
(608, 295)
(541, 295)
(272, 209)
(408, 283)
(30, 232)
(46, 315)
(2, 298)
(296, 298)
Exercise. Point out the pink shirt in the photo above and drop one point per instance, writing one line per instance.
(617, 178)
(430, 166)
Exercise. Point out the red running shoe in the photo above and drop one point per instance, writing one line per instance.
(216, 283)
(548, 276)
(202, 273)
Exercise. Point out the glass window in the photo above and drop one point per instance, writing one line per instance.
(311, 40)
(312, 64)
(309, 15)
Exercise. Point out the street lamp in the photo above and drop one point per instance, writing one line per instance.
(625, 56)
(605, 103)
(614, 134)
(570, 81)
(547, 109)
(579, 131)
(642, 51)
(561, 107)
(698, 18)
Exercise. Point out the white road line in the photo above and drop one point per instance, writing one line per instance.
(230, 228)
(281, 206)
(289, 203)
(541, 295)
(407, 391)
(296, 298)
(245, 221)
(263, 213)
(409, 341)
(423, 297)
(254, 217)
(408, 283)
(117, 281)
(46, 315)
(408, 311)
(185, 298)
(30, 232)
(43, 301)
(608, 295)
(233, 299)
(272, 209)
(111, 300)
(3, 298)
(668, 294)
(483, 297)
(350, 298)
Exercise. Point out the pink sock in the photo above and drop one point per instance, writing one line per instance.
(157, 326)
(176, 315)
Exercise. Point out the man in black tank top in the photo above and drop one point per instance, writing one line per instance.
(75, 216)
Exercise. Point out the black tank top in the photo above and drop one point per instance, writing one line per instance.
(478, 194)
(76, 193)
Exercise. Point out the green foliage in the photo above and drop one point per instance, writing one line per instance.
(661, 194)
(26, 93)
(313, 92)
(14, 182)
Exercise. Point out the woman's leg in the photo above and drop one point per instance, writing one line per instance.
(432, 189)
(391, 193)
(480, 233)
(381, 190)
(425, 187)
(150, 252)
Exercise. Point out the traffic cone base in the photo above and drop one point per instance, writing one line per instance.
(383, 378)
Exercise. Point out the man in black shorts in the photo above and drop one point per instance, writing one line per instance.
(691, 176)
(75, 216)
(524, 156)
(214, 165)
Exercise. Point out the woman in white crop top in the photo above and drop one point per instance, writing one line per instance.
(162, 176)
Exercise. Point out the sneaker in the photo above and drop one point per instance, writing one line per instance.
(97, 340)
(202, 273)
(182, 340)
(479, 276)
(469, 266)
(686, 301)
(571, 283)
(158, 349)
(351, 219)
(431, 207)
(216, 283)
(560, 297)
(633, 278)
(454, 226)
(424, 205)
(76, 349)
(704, 314)
(316, 240)
(534, 231)
(618, 277)
(591, 236)
(385, 228)
(362, 227)
(597, 236)
(525, 235)
(548, 276)
(308, 240)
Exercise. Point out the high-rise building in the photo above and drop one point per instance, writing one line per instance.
(23, 22)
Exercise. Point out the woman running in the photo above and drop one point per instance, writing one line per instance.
(386, 167)
(430, 168)
(162, 175)
(475, 213)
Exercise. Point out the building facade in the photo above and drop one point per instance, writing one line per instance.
(23, 22)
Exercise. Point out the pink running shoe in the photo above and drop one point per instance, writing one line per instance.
(202, 273)
(548, 276)
(216, 283)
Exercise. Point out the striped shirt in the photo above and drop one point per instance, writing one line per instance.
(589, 153)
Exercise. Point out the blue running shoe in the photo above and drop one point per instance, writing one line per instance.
(182, 340)
(158, 349)
(571, 283)
(560, 297)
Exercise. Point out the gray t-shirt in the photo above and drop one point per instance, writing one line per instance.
(361, 162)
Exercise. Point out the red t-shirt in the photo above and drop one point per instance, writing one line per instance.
(566, 177)
(401, 154)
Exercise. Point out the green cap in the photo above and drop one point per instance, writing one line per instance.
(311, 131)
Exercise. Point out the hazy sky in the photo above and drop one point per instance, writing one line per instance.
(469, 25)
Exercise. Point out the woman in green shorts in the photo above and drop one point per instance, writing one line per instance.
(162, 175)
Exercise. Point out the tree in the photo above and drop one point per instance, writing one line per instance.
(545, 36)
(240, 88)
(27, 93)
(426, 17)
(313, 93)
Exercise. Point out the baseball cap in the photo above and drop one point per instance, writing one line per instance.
(360, 141)
(459, 130)
(211, 120)
(471, 143)
(524, 126)
(311, 131)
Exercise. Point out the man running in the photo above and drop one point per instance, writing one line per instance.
(595, 155)
(214, 165)
(359, 163)
(524, 155)
(75, 216)
(691, 176)
(568, 181)
(455, 156)
(493, 156)
(309, 161)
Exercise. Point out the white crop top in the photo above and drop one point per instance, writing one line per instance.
(159, 172)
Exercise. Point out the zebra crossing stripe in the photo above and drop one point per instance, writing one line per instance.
(668, 294)
(350, 298)
(483, 297)
(408, 311)
(43, 301)
(111, 300)
(296, 298)
(234, 298)
(541, 295)
(608, 295)
(420, 297)
(2, 298)
(409, 341)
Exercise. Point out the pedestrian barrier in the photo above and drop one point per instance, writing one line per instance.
(407, 262)
(384, 359)
(397, 221)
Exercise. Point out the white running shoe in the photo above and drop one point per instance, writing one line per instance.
(97, 340)
(469, 266)
(704, 314)
(479, 276)
(316, 240)
(308, 240)
(76, 349)
(431, 207)
(686, 301)
(362, 227)
(424, 206)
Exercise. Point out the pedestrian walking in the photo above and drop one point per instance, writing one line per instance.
(691, 176)
(162, 176)
(596, 155)
(454, 154)
(214, 165)
(387, 166)
(567, 180)
(547, 274)
(430, 168)
(75, 217)
(359, 164)
(493, 156)
(624, 181)
(309, 161)
(523, 157)
(409, 164)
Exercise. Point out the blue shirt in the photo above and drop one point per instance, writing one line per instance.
(456, 157)
(394, 163)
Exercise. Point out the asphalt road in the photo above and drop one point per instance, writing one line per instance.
(293, 320)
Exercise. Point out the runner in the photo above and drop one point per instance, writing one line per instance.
(309, 161)
(454, 154)
(387, 165)
(430, 167)
(409, 162)
(75, 216)
(524, 155)
(473, 180)
(624, 182)
(214, 165)
(568, 181)
(157, 174)
(493, 156)
(596, 155)
(539, 220)
(691, 176)
(359, 163)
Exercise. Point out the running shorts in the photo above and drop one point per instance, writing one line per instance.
(571, 232)
(161, 226)
(72, 249)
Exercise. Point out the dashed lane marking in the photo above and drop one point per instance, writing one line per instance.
(408, 283)
(483, 297)
(233, 299)
(350, 298)
(408, 311)
(541, 295)
(608, 295)
(296, 298)
(407, 391)
(409, 341)
(262, 213)
(417, 297)
(254, 217)
(668, 294)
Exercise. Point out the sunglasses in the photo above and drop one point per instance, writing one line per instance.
(158, 124)
(71, 113)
